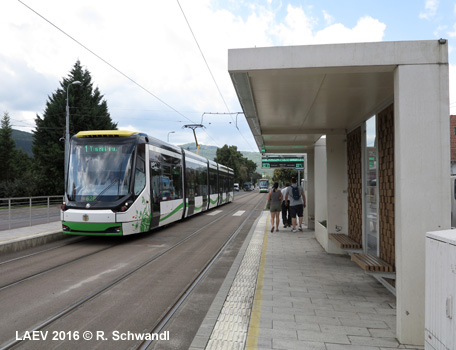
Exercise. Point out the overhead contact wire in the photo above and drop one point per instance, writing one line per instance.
(106, 62)
(210, 71)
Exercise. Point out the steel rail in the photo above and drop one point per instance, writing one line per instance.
(117, 280)
(56, 267)
(74, 240)
(192, 285)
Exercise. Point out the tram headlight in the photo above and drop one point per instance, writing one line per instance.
(124, 207)
(65, 228)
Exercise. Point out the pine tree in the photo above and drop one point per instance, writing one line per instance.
(7, 145)
(88, 111)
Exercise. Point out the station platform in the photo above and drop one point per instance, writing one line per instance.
(283, 291)
(30, 236)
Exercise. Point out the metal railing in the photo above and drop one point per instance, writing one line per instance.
(28, 211)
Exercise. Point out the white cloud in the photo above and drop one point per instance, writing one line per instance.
(452, 73)
(367, 29)
(328, 18)
(453, 33)
(152, 44)
(430, 9)
(298, 29)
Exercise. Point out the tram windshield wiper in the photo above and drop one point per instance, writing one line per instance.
(107, 188)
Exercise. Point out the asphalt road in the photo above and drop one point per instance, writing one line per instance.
(37, 288)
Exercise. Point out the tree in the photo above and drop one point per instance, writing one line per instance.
(255, 177)
(284, 175)
(7, 146)
(243, 168)
(16, 175)
(230, 157)
(88, 111)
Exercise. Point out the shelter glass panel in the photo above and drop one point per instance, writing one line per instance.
(371, 192)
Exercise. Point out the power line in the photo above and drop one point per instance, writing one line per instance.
(202, 54)
(210, 71)
(110, 65)
(131, 79)
(106, 62)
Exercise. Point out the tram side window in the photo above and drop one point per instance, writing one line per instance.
(226, 184)
(203, 182)
(190, 178)
(177, 181)
(140, 171)
(201, 179)
(212, 182)
(197, 181)
(166, 188)
(221, 183)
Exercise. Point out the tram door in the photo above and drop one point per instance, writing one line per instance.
(155, 174)
(190, 180)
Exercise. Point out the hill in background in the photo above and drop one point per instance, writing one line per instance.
(24, 141)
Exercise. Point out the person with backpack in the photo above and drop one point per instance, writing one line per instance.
(297, 198)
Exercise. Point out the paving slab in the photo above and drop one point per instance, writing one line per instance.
(305, 298)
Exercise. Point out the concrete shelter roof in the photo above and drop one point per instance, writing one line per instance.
(293, 95)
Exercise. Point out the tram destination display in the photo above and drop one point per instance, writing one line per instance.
(282, 162)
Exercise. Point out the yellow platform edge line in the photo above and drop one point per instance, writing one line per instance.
(254, 326)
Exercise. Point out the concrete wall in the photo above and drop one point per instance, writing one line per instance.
(321, 208)
(422, 196)
(337, 183)
(310, 190)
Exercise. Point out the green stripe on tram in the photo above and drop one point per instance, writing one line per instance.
(93, 228)
(178, 208)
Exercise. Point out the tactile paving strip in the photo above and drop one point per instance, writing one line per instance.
(231, 328)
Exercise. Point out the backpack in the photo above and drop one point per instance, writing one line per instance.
(295, 193)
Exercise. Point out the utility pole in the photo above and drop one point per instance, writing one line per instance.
(67, 130)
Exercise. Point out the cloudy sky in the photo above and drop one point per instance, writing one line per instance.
(165, 82)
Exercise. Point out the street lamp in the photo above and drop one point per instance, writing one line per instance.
(171, 132)
(67, 129)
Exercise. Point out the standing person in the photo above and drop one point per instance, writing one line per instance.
(286, 215)
(275, 205)
(297, 198)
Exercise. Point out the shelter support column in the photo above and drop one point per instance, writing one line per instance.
(337, 183)
(321, 210)
(310, 194)
(422, 195)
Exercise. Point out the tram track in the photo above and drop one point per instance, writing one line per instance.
(37, 274)
(11, 284)
(166, 318)
(116, 281)
(74, 241)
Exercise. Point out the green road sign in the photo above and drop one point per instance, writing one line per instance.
(282, 162)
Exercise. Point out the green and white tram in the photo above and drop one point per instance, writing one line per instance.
(122, 183)
(264, 185)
